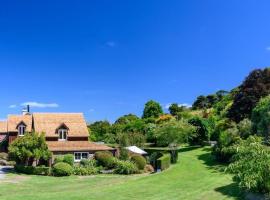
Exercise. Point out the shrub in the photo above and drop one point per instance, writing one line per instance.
(69, 159)
(62, 169)
(88, 162)
(123, 154)
(3, 156)
(149, 169)
(251, 165)
(58, 159)
(139, 161)
(105, 159)
(164, 162)
(84, 171)
(125, 167)
(40, 170)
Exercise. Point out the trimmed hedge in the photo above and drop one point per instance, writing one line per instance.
(164, 162)
(139, 161)
(105, 159)
(85, 171)
(40, 170)
(62, 169)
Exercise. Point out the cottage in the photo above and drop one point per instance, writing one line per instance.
(65, 133)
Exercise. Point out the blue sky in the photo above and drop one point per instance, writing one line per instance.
(106, 58)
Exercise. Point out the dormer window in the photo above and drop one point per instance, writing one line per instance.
(62, 134)
(21, 130)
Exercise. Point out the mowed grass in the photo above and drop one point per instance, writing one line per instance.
(195, 176)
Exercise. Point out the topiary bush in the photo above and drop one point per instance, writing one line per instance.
(69, 159)
(62, 169)
(139, 161)
(164, 162)
(105, 159)
(125, 167)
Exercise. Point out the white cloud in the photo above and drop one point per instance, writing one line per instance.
(40, 105)
(110, 44)
(13, 106)
(181, 104)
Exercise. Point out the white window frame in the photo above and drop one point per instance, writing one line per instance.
(61, 133)
(80, 156)
(21, 130)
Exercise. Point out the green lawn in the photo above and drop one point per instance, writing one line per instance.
(194, 177)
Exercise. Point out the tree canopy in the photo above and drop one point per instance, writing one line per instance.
(152, 109)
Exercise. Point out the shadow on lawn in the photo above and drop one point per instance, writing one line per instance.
(231, 190)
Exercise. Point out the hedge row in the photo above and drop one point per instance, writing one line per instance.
(40, 170)
(164, 162)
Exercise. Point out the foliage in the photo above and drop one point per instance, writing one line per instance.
(123, 153)
(164, 118)
(152, 109)
(200, 103)
(126, 119)
(164, 162)
(175, 108)
(139, 161)
(3, 156)
(202, 130)
(32, 147)
(99, 130)
(227, 145)
(251, 165)
(261, 118)
(88, 163)
(245, 128)
(69, 159)
(85, 170)
(125, 167)
(58, 159)
(62, 169)
(254, 87)
(173, 132)
(39, 170)
(105, 159)
(129, 139)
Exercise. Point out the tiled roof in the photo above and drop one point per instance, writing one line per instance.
(3, 127)
(14, 120)
(49, 122)
(76, 146)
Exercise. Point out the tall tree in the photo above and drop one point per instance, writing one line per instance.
(99, 130)
(200, 103)
(152, 109)
(255, 86)
(126, 119)
(175, 109)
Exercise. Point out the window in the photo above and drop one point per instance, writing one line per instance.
(78, 156)
(62, 134)
(21, 130)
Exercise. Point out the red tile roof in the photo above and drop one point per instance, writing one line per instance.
(76, 146)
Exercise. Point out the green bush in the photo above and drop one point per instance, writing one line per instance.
(164, 162)
(139, 161)
(88, 162)
(251, 165)
(40, 170)
(62, 169)
(85, 171)
(69, 159)
(105, 159)
(125, 167)
(58, 159)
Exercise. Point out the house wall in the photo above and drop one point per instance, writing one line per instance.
(12, 136)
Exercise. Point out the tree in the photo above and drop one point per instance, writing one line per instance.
(254, 87)
(202, 131)
(99, 130)
(126, 119)
(200, 103)
(261, 118)
(173, 132)
(152, 109)
(175, 109)
(29, 148)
